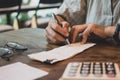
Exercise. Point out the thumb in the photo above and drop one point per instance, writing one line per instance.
(66, 27)
(84, 39)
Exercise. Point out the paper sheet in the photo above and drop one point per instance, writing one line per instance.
(60, 53)
(20, 71)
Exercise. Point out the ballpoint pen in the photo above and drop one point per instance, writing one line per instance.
(57, 21)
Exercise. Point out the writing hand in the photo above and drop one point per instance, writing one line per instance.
(54, 30)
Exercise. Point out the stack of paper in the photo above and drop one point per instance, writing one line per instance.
(60, 53)
(20, 71)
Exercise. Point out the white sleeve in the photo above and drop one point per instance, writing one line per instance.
(74, 10)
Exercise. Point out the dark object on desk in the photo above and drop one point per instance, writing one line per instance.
(16, 46)
(6, 53)
(8, 50)
(48, 61)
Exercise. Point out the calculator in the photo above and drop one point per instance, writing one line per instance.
(91, 71)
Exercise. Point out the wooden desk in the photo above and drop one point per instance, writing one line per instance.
(34, 39)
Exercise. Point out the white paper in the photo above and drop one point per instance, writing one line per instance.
(20, 71)
(61, 53)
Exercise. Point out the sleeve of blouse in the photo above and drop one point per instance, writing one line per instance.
(74, 11)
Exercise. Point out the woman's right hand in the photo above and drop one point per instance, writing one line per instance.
(55, 32)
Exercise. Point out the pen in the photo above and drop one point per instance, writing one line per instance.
(57, 21)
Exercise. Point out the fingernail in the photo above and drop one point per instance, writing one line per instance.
(67, 34)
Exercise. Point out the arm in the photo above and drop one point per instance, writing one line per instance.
(109, 31)
(54, 30)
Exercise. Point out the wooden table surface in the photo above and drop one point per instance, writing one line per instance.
(35, 40)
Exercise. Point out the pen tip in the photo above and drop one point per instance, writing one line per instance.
(68, 42)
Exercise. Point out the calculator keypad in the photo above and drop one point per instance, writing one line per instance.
(91, 70)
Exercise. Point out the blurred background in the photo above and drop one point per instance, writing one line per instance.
(28, 9)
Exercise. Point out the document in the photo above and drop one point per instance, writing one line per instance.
(60, 53)
(20, 71)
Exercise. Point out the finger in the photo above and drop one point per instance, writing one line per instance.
(49, 38)
(76, 30)
(84, 39)
(54, 36)
(86, 33)
(74, 33)
(54, 41)
(66, 26)
(56, 27)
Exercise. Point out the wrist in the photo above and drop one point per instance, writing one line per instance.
(109, 31)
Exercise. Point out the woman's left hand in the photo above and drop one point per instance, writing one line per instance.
(87, 29)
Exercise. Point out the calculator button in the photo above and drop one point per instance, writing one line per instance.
(72, 71)
(75, 64)
(109, 63)
(98, 74)
(84, 73)
(71, 74)
(111, 74)
(85, 68)
(97, 63)
(97, 69)
(97, 66)
(73, 68)
(86, 63)
(110, 69)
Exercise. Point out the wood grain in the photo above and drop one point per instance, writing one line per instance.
(35, 40)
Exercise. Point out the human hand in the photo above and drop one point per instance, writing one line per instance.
(55, 33)
(86, 31)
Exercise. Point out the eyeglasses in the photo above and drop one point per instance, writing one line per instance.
(8, 50)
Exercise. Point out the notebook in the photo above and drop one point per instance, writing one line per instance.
(60, 53)
(20, 71)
